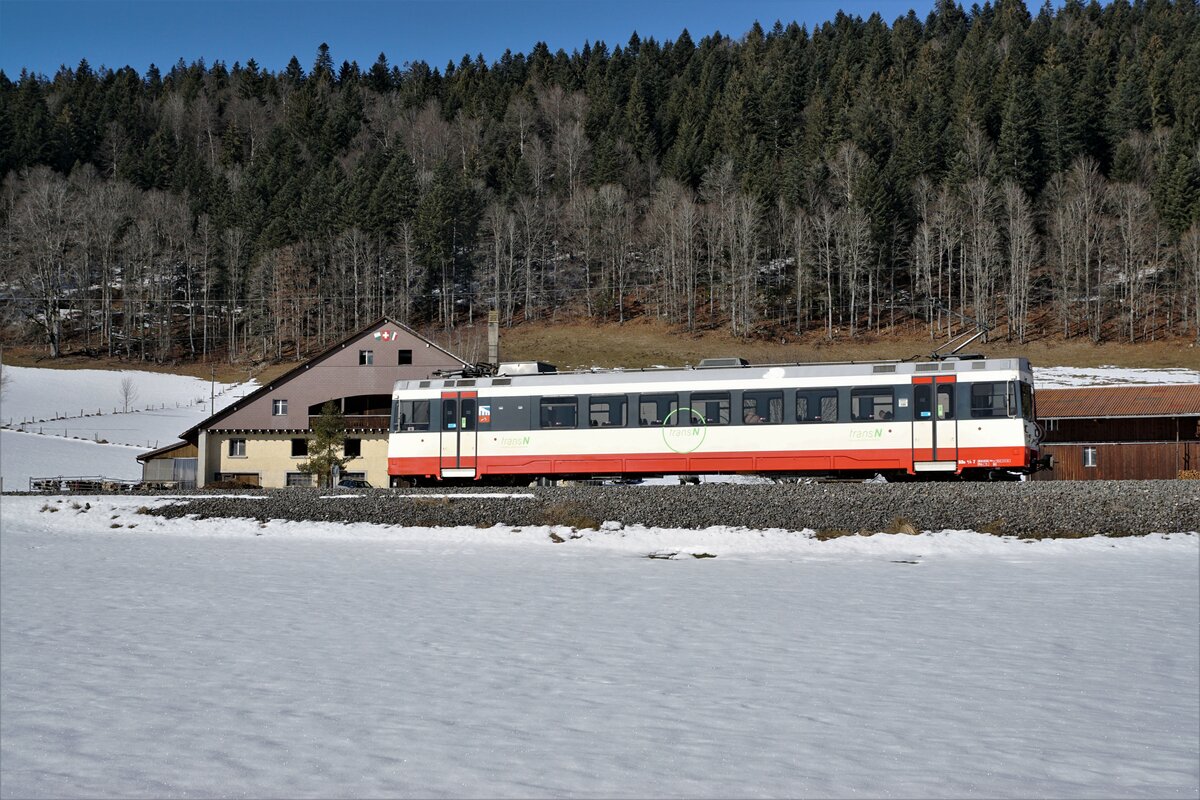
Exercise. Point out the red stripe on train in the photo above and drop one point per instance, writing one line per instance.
(650, 463)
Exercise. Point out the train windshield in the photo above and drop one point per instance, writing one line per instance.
(1026, 401)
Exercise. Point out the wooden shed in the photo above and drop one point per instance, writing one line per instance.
(1120, 432)
(170, 467)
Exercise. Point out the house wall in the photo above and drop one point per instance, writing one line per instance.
(1122, 461)
(1122, 429)
(270, 457)
(158, 469)
(340, 375)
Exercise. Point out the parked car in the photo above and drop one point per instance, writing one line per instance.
(354, 483)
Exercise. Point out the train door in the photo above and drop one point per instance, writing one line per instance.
(935, 426)
(458, 434)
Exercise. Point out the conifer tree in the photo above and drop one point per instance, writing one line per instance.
(329, 437)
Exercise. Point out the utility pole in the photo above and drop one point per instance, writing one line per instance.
(212, 390)
(494, 339)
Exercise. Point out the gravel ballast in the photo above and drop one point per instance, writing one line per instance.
(1010, 509)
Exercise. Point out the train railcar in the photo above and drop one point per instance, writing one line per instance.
(961, 417)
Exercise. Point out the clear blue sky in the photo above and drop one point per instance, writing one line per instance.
(41, 35)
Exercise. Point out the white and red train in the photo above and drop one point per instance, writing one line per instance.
(967, 417)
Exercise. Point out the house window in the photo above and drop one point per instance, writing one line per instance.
(237, 448)
(366, 358)
(299, 448)
(1089, 456)
(403, 357)
(300, 479)
(279, 408)
(352, 448)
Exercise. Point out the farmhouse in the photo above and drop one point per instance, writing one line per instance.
(261, 439)
(1120, 432)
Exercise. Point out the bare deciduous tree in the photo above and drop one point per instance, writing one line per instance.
(41, 223)
(1022, 252)
(129, 392)
(1133, 231)
(1189, 256)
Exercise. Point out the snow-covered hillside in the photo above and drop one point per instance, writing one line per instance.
(63, 415)
(1070, 377)
(151, 657)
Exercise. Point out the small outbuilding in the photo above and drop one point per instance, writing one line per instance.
(1120, 432)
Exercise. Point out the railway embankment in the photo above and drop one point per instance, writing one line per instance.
(1021, 509)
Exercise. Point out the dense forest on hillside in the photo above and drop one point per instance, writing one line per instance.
(1038, 172)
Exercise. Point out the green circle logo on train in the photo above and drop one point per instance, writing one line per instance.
(684, 438)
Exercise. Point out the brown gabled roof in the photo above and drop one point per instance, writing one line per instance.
(1098, 402)
(191, 434)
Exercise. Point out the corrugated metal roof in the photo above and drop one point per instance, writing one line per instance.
(1096, 402)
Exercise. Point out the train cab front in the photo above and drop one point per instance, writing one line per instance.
(1035, 459)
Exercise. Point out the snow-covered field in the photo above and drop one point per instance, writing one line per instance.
(1070, 377)
(190, 658)
(56, 418)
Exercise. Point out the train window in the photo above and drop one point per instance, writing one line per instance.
(876, 402)
(993, 400)
(607, 412)
(1026, 401)
(816, 405)
(659, 409)
(558, 412)
(762, 407)
(712, 407)
(412, 415)
(945, 401)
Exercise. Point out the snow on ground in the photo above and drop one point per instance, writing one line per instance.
(232, 657)
(1068, 377)
(26, 455)
(35, 393)
(47, 404)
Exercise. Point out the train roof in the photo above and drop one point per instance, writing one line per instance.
(876, 371)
